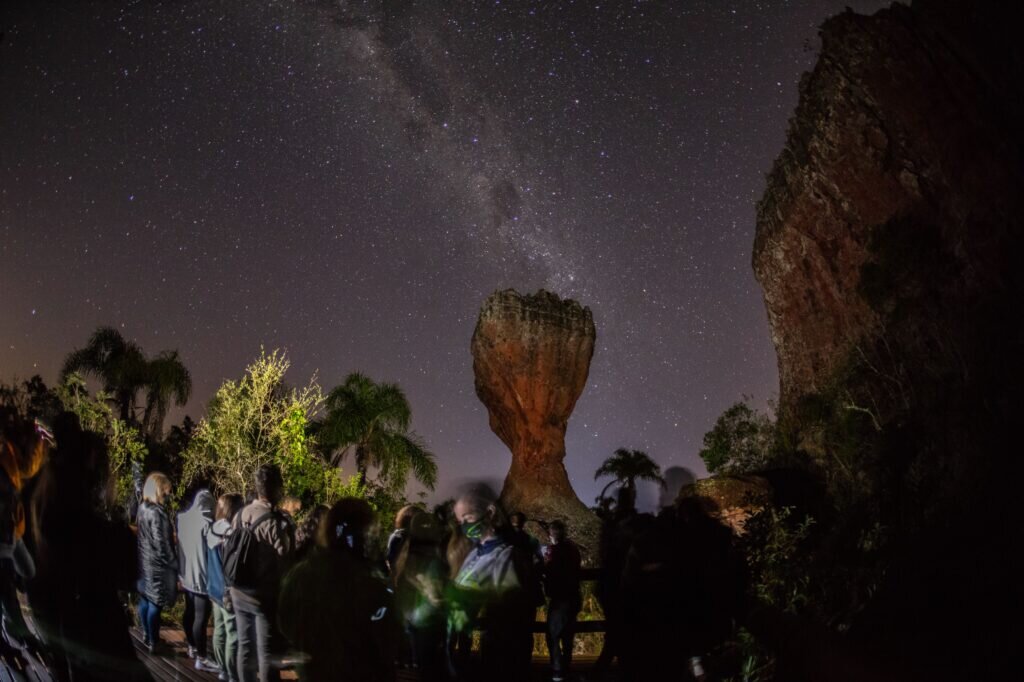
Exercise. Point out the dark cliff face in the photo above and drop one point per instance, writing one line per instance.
(888, 246)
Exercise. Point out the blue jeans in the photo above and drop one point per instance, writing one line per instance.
(149, 619)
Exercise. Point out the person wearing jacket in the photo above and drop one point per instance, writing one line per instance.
(83, 560)
(334, 610)
(193, 527)
(158, 563)
(562, 564)
(225, 632)
(256, 606)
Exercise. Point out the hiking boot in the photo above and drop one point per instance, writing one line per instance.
(206, 665)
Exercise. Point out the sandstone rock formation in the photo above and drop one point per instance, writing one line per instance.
(888, 245)
(730, 499)
(531, 358)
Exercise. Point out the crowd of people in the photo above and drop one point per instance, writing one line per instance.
(313, 595)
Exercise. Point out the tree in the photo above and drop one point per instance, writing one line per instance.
(370, 422)
(627, 467)
(124, 442)
(124, 371)
(166, 379)
(118, 363)
(740, 441)
(258, 420)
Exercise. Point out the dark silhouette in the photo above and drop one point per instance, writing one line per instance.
(332, 607)
(82, 561)
(676, 478)
(616, 537)
(308, 531)
(562, 586)
(225, 631)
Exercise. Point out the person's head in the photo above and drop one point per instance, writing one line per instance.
(557, 531)
(347, 525)
(227, 506)
(476, 513)
(269, 484)
(157, 488)
(625, 501)
(517, 520)
(404, 516)
(291, 505)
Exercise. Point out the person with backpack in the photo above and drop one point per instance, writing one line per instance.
(225, 632)
(256, 555)
(193, 527)
(158, 562)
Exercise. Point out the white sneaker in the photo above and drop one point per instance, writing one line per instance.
(207, 665)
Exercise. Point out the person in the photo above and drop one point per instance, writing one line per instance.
(291, 506)
(158, 561)
(459, 639)
(616, 537)
(333, 609)
(490, 585)
(193, 527)
(397, 537)
(307, 532)
(562, 564)
(519, 536)
(420, 577)
(256, 605)
(23, 448)
(83, 559)
(225, 632)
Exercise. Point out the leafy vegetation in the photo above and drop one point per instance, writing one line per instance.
(741, 441)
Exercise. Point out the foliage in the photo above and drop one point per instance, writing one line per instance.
(124, 371)
(370, 422)
(740, 442)
(626, 467)
(31, 398)
(257, 420)
(776, 550)
(124, 442)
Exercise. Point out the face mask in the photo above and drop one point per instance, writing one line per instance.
(472, 529)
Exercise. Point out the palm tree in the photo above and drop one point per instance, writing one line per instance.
(627, 467)
(370, 421)
(167, 379)
(118, 363)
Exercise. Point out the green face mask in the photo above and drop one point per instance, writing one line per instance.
(472, 529)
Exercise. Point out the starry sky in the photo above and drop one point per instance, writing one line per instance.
(349, 180)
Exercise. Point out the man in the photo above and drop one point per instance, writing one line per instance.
(490, 585)
(562, 585)
(256, 605)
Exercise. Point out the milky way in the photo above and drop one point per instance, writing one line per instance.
(349, 181)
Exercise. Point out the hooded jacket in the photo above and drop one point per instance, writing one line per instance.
(158, 565)
(193, 527)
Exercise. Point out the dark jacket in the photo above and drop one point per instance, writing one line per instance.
(333, 610)
(278, 534)
(562, 572)
(158, 561)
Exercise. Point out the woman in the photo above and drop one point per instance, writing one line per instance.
(193, 527)
(307, 532)
(225, 633)
(420, 580)
(333, 609)
(158, 564)
(82, 561)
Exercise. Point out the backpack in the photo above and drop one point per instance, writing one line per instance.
(216, 586)
(248, 564)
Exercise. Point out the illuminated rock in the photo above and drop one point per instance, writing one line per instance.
(531, 358)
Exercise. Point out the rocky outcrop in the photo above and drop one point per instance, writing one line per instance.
(888, 246)
(729, 499)
(531, 358)
(898, 190)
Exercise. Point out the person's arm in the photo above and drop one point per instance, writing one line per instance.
(24, 565)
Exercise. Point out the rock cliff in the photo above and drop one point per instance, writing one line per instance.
(888, 245)
(531, 358)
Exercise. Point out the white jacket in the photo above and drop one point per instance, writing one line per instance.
(193, 527)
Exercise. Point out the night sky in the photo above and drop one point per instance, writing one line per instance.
(349, 183)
